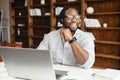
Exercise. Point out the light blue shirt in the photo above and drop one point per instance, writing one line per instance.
(61, 51)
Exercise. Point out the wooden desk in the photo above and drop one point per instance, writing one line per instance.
(9, 45)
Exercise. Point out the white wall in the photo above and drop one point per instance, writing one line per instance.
(4, 5)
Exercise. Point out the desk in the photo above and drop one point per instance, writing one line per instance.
(78, 73)
(73, 72)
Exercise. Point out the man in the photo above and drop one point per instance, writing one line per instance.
(69, 45)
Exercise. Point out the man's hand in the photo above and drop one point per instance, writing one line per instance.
(66, 34)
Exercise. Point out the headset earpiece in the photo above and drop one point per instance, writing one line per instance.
(61, 21)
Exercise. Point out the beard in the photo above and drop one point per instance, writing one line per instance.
(72, 30)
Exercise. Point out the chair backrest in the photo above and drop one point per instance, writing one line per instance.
(9, 45)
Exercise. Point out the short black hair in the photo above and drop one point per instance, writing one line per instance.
(62, 13)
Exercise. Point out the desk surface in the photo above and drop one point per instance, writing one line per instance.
(75, 73)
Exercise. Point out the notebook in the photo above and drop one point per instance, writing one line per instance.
(27, 63)
(108, 74)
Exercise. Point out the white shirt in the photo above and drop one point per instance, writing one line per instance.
(61, 51)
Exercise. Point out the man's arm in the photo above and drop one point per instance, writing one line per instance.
(80, 54)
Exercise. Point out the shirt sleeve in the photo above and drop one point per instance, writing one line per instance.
(44, 45)
(88, 45)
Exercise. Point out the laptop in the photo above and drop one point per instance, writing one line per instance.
(30, 64)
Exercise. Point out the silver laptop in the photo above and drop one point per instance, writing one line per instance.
(26, 63)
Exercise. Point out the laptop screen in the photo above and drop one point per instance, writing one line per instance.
(28, 63)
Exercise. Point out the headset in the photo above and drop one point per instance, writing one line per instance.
(62, 13)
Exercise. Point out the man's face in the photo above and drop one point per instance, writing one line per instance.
(72, 19)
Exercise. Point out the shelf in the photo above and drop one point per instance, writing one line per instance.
(107, 56)
(101, 28)
(24, 36)
(38, 37)
(40, 5)
(20, 7)
(98, 67)
(47, 27)
(107, 42)
(67, 3)
(97, 0)
(20, 16)
(104, 13)
(19, 27)
(41, 16)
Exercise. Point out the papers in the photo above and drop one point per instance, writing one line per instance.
(58, 10)
(47, 14)
(89, 22)
(35, 12)
(3, 72)
(59, 24)
(76, 73)
(25, 2)
(108, 74)
(2, 64)
(76, 77)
